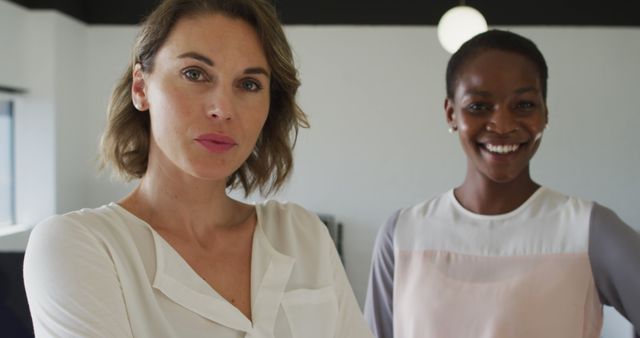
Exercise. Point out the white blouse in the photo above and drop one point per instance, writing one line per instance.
(106, 273)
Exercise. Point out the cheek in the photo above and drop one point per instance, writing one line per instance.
(467, 127)
(463, 127)
(263, 119)
(256, 127)
(538, 136)
(463, 121)
(260, 114)
(170, 105)
(167, 124)
(536, 128)
(170, 96)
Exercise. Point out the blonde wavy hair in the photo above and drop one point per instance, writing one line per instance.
(125, 142)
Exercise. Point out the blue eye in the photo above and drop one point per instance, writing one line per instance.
(250, 85)
(194, 74)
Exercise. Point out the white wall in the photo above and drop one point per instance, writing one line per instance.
(47, 59)
(74, 156)
(374, 95)
(35, 117)
(13, 24)
(108, 53)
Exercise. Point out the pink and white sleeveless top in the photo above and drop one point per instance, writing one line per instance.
(523, 274)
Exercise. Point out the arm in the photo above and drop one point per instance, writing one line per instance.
(71, 283)
(614, 253)
(378, 309)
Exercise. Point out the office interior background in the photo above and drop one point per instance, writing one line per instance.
(373, 86)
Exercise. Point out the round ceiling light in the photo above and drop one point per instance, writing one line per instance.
(458, 25)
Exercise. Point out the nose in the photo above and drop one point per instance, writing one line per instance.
(220, 105)
(218, 113)
(502, 121)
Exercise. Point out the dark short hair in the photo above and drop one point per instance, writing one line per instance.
(125, 142)
(495, 40)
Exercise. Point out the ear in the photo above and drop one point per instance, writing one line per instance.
(449, 113)
(138, 89)
(546, 115)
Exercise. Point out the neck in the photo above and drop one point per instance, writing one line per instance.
(481, 195)
(176, 202)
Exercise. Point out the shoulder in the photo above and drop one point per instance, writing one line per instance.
(384, 246)
(420, 214)
(288, 216)
(85, 229)
(287, 224)
(559, 216)
(434, 205)
(573, 212)
(554, 222)
(73, 224)
(386, 233)
(552, 200)
(62, 245)
(609, 233)
(387, 230)
(287, 212)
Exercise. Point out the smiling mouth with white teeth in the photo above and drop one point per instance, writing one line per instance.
(501, 149)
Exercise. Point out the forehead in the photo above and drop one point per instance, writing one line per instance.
(498, 70)
(217, 36)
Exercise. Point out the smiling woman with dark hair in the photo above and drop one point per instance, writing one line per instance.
(207, 104)
(501, 256)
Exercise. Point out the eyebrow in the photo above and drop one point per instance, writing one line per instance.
(257, 70)
(199, 57)
(196, 56)
(482, 93)
(526, 89)
(476, 92)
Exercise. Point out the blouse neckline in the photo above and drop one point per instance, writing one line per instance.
(460, 208)
(270, 272)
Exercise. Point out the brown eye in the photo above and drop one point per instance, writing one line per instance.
(477, 107)
(525, 107)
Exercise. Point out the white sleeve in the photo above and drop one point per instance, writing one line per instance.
(351, 323)
(71, 283)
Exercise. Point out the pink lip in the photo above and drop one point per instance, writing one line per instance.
(216, 143)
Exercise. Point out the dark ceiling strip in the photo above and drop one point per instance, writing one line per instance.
(381, 12)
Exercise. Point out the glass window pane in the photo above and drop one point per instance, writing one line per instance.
(6, 164)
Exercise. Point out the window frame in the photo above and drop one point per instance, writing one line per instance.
(11, 100)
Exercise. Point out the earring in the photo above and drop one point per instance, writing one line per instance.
(453, 129)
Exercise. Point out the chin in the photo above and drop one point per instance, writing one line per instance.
(209, 173)
(503, 177)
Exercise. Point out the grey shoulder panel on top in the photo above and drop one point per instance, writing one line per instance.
(378, 309)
